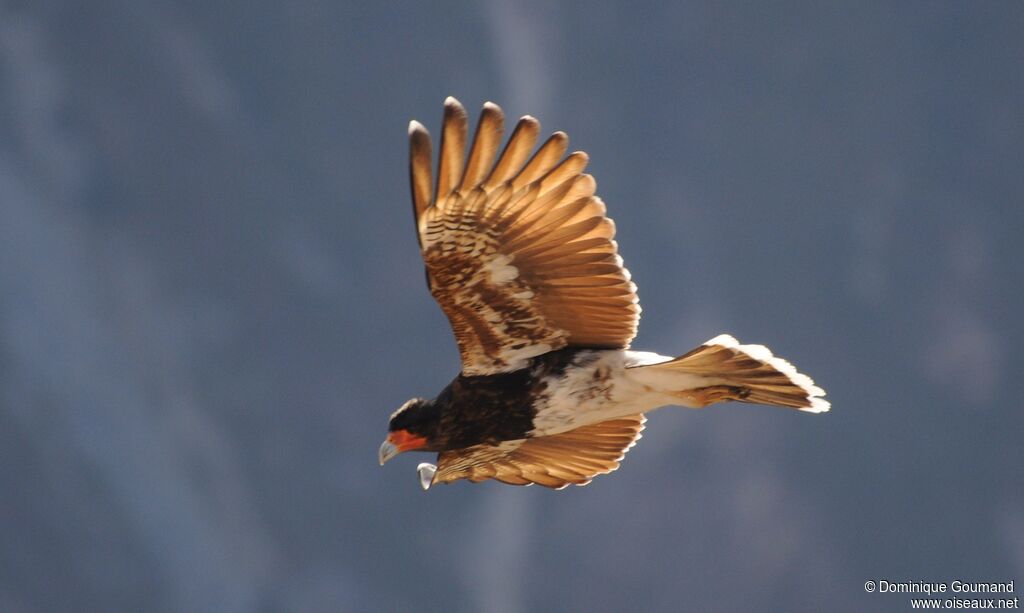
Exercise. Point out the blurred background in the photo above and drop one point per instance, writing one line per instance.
(211, 299)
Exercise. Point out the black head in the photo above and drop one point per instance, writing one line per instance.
(416, 415)
(411, 428)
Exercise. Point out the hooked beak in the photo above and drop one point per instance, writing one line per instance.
(398, 442)
(387, 451)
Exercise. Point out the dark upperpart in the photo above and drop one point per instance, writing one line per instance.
(485, 409)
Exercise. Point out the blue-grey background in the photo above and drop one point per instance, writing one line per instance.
(211, 300)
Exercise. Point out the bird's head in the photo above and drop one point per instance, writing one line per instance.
(411, 428)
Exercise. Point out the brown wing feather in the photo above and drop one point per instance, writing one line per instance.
(519, 254)
(420, 176)
(485, 146)
(573, 457)
(546, 157)
(453, 148)
(523, 138)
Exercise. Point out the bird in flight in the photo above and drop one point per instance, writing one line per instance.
(521, 258)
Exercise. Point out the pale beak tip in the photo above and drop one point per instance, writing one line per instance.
(387, 451)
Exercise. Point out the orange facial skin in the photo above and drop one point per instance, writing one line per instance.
(406, 441)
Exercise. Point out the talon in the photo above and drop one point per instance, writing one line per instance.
(426, 472)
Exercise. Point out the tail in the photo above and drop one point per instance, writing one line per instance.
(722, 369)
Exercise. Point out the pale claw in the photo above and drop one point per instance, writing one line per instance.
(426, 472)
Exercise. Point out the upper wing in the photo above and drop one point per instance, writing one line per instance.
(519, 254)
(576, 456)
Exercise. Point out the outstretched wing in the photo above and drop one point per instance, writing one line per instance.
(519, 253)
(573, 457)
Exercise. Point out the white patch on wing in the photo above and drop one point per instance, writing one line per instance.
(487, 301)
(501, 270)
(519, 358)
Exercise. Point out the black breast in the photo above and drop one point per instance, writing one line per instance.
(494, 408)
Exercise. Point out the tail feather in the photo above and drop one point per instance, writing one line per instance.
(746, 373)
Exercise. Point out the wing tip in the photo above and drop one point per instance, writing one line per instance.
(416, 127)
(583, 156)
(454, 108)
(528, 124)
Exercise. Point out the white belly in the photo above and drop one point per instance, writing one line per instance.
(598, 386)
